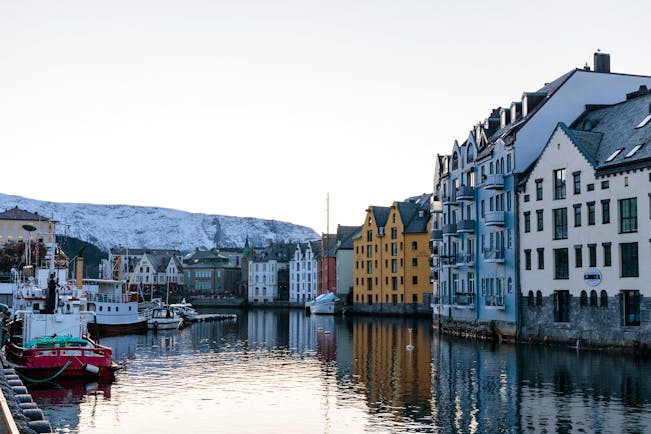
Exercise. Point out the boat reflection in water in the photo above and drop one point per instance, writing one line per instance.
(275, 371)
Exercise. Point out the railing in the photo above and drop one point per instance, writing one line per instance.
(494, 301)
(464, 299)
(466, 193)
(466, 226)
(493, 181)
(103, 298)
(448, 260)
(436, 235)
(450, 229)
(493, 255)
(465, 259)
(494, 218)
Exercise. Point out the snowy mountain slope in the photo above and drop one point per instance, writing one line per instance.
(157, 228)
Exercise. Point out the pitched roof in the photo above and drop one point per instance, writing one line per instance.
(603, 131)
(346, 235)
(21, 214)
(414, 217)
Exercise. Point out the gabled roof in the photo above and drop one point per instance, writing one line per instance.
(381, 214)
(603, 131)
(21, 214)
(414, 217)
(346, 235)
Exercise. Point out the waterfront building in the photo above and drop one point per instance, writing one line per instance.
(263, 281)
(122, 261)
(157, 270)
(585, 221)
(474, 250)
(209, 273)
(391, 258)
(13, 223)
(345, 261)
(303, 272)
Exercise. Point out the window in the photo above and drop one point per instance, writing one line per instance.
(527, 259)
(593, 298)
(612, 156)
(604, 298)
(541, 258)
(628, 260)
(578, 256)
(539, 219)
(562, 306)
(530, 298)
(561, 265)
(560, 223)
(414, 280)
(577, 215)
(605, 211)
(577, 182)
(591, 214)
(628, 215)
(369, 235)
(583, 300)
(592, 255)
(394, 265)
(559, 184)
(590, 187)
(414, 262)
(414, 245)
(539, 189)
(605, 185)
(527, 221)
(607, 254)
(394, 232)
(642, 123)
(538, 298)
(631, 307)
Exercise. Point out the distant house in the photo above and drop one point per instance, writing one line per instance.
(207, 272)
(345, 261)
(156, 271)
(268, 277)
(303, 272)
(122, 262)
(19, 225)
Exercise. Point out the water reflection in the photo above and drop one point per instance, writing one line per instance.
(279, 371)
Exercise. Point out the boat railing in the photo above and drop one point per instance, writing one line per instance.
(105, 298)
(67, 352)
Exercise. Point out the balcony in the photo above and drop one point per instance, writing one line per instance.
(449, 261)
(466, 226)
(466, 260)
(436, 235)
(466, 193)
(494, 218)
(464, 300)
(494, 255)
(494, 181)
(494, 302)
(449, 200)
(450, 229)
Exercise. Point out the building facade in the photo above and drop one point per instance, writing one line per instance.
(391, 271)
(303, 273)
(584, 230)
(263, 281)
(19, 225)
(209, 273)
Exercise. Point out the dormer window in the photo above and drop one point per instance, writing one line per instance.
(644, 121)
(635, 149)
(612, 156)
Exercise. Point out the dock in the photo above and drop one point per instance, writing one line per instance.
(205, 317)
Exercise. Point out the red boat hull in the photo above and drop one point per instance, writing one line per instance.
(62, 363)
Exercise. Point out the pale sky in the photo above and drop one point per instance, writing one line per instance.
(261, 108)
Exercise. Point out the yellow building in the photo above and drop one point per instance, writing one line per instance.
(19, 225)
(391, 270)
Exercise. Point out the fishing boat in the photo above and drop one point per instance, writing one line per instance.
(115, 309)
(47, 332)
(164, 318)
(326, 304)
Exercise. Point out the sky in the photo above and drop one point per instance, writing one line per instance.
(264, 108)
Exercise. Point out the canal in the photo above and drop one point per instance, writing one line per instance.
(278, 371)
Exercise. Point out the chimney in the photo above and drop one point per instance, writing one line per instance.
(601, 62)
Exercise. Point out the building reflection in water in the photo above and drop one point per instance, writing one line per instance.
(396, 380)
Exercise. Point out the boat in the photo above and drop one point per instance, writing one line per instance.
(164, 318)
(47, 334)
(185, 310)
(116, 310)
(327, 304)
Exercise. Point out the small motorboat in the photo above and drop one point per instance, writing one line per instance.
(162, 318)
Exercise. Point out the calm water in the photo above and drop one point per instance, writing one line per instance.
(282, 372)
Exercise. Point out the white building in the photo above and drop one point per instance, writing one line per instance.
(263, 281)
(585, 223)
(303, 280)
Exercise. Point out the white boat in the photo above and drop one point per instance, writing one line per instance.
(326, 304)
(164, 318)
(185, 310)
(116, 310)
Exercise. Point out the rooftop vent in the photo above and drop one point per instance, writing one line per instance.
(601, 62)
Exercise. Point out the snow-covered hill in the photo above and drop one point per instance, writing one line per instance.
(109, 226)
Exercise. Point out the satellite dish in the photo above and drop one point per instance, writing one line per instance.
(29, 228)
